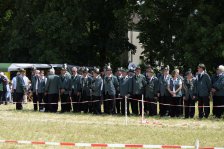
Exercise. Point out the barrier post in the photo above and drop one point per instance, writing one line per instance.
(197, 144)
(126, 111)
(142, 109)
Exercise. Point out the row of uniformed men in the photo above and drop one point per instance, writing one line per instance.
(87, 92)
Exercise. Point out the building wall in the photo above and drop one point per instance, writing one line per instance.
(133, 38)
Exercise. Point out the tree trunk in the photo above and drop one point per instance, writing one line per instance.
(103, 57)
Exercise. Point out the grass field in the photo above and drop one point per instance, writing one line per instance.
(87, 128)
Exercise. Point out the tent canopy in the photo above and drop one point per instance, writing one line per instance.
(5, 67)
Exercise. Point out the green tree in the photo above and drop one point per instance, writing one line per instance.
(162, 24)
(203, 36)
(183, 33)
(108, 22)
(6, 18)
(81, 32)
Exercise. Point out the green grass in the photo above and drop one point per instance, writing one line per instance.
(69, 127)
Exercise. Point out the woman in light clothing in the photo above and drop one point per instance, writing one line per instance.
(174, 87)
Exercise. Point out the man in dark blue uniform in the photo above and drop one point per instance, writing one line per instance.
(20, 89)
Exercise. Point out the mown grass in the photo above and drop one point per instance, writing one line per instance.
(87, 128)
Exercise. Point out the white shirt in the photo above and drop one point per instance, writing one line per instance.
(150, 78)
(101, 87)
(75, 75)
(37, 83)
(126, 77)
(175, 83)
(165, 77)
(26, 81)
(200, 74)
(109, 76)
(203, 72)
(14, 82)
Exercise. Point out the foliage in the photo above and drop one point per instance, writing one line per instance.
(182, 33)
(80, 32)
(95, 32)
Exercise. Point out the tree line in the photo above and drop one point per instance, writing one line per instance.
(95, 32)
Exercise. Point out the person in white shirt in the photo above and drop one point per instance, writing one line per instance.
(174, 87)
(14, 80)
(26, 81)
(8, 94)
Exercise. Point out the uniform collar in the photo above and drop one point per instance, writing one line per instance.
(151, 78)
(138, 75)
(75, 75)
(174, 79)
(203, 72)
(85, 77)
(109, 76)
(165, 76)
(125, 77)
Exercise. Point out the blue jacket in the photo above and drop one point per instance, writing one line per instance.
(151, 88)
(110, 85)
(203, 85)
(189, 88)
(65, 83)
(137, 85)
(20, 84)
(175, 84)
(124, 86)
(34, 80)
(219, 86)
(85, 86)
(41, 85)
(97, 86)
(53, 84)
(162, 89)
(75, 85)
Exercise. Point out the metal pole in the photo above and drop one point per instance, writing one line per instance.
(197, 144)
(131, 43)
(126, 111)
(142, 109)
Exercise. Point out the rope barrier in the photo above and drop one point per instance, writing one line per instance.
(105, 145)
(82, 102)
